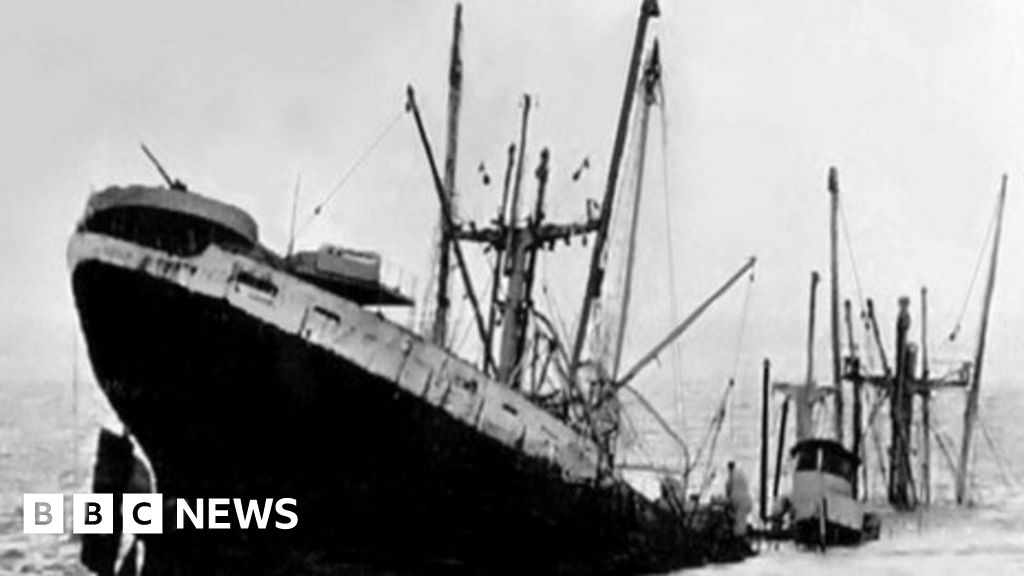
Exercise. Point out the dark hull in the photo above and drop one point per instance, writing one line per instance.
(227, 406)
(809, 533)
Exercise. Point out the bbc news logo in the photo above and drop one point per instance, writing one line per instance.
(144, 513)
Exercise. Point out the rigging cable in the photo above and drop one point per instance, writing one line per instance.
(738, 351)
(711, 437)
(946, 446)
(611, 309)
(853, 259)
(677, 368)
(644, 403)
(869, 343)
(352, 169)
(467, 329)
(1008, 478)
(563, 330)
(630, 437)
(974, 277)
(710, 441)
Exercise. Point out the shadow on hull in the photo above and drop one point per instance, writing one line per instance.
(226, 406)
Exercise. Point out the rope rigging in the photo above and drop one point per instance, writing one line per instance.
(676, 362)
(644, 403)
(611, 309)
(711, 436)
(974, 276)
(738, 350)
(853, 260)
(872, 349)
(1004, 470)
(352, 170)
(629, 207)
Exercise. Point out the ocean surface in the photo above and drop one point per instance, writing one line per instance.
(48, 431)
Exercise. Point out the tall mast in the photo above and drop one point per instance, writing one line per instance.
(648, 10)
(805, 404)
(780, 447)
(499, 248)
(837, 374)
(857, 414)
(877, 337)
(926, 395)
(901, 490)
(652, 78)
(439, 334)
(515, 250)
(533, 226)
(449, 223)
(971, 412)
(766, 379)
(295, 206)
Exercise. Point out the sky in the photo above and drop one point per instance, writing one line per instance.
(917, 103)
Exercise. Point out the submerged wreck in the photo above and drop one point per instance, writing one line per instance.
(829, 501)
(241, 372)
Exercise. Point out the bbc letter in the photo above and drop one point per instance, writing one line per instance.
(143, 513)
(92, 513)
(43, 513)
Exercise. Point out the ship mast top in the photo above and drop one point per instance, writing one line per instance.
(971, 411)
(439, 328)
(550, 374)
(595, 277)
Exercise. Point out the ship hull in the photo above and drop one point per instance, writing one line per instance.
(225, 405)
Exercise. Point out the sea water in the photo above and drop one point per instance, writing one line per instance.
(984, 538)
(47, 442)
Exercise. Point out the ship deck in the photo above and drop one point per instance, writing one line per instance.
(225, 405)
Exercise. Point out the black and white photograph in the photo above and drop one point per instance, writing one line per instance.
(511, 287)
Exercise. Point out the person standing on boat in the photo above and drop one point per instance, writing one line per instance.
(737, 491)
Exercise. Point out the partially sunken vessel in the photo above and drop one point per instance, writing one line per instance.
(244, 373)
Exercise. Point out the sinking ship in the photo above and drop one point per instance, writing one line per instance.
(241, 372)
(828, 502)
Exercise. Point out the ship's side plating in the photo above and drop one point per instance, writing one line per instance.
(241, 380)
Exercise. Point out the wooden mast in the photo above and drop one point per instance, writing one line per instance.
(971, 411)
(439, 331)
(837, 368)
(595, 276)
